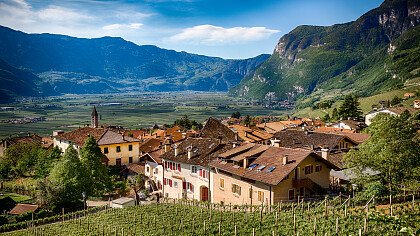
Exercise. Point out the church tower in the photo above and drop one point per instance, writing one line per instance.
(95, 118)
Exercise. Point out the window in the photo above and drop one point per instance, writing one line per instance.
(156, 171)
(130, 147)
(318, 168)
(147, 169)
(175, 184)
(130, 159)
(193, 169)
(260, 196)
(118, 161)
(190, 187)
(236, 189)
(222, 183)
(203, 173)
(118, 148)
(179, 167)
(252, 166)
(106, 150)
(291, 194)
(309, 169)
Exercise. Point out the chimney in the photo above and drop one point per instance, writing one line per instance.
(306, 132)
(184, 135)
(235, 144)
(189, 150)
(285, 159)
(176, 150)
(245, 163)
(325, 153)
(275, 143)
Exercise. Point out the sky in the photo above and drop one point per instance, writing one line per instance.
(224, 28)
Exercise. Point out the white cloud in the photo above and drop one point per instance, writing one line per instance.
(56, 13)
(216, 35)
(122, 26)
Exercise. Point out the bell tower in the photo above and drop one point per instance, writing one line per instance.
(94, 118)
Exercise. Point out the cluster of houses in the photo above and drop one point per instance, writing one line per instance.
(229, 162)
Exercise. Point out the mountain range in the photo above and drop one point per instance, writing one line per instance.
(58, 64)
(379, 51)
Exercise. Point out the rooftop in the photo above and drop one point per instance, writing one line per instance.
(267, 163)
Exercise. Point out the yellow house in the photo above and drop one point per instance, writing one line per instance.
(118, 148)
(255, 174)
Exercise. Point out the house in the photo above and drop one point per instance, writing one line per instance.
(20, 209)
(260, 174)
(352, 125)
(186, 171)
(395, 111)
(30, 138)
(119, 149)
(409, 95)
(251, 135)
(123, 202)
(216, 130)
(307, 139)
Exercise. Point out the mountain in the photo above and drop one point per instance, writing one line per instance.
(16, 82)
(377, 52)
(109, 64)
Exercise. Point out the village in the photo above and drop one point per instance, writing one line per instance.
(237, 160)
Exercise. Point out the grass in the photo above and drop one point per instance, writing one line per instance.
(134, 111)
(16, 197)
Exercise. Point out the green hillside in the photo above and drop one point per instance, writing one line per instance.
(376, 53)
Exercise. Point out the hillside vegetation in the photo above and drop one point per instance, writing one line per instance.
(376, 53)
(204, 219)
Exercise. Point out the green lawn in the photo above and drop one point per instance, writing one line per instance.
(16, 197)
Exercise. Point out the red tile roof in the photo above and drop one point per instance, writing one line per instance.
(216, 130)
(271, 157)
(150, 145)
(80, 135)
(203, 150)
(23, 208)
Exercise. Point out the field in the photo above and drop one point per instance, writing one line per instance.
(188, 218)
(133, 111)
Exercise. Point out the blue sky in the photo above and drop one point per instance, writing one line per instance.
(223, 28)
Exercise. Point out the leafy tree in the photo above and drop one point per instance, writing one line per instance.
(393, 150)
(350, 108)
(396, 100)
(186, 123)
(326, 118)
(22, 158)
(91, 156)
(247, 120)
(46, 162)
(66, 182)
(334, 115)
(236, 115)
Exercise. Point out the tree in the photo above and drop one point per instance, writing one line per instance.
(22, 158)
(396, 100)
(66, 182)
(46, 162)
(334, 115)
(186, 123)
(236, 115)
(247, 120)
(350, 108)
(393, 150)
(91, 157)
(326, 118)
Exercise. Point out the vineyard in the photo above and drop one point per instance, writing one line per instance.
(193, 218)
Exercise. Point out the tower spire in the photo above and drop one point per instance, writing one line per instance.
(95, 118)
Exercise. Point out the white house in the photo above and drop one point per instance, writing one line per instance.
(395, 111)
